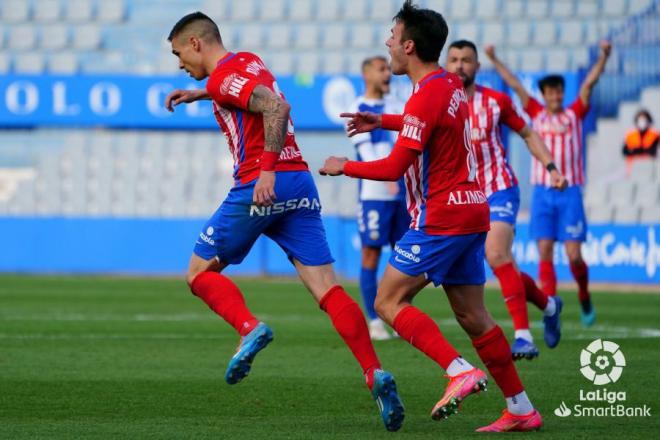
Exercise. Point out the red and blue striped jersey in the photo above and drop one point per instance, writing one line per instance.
(489, 109)
(562, 133)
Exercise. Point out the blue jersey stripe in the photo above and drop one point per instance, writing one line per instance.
(241, 142)
(437, 75)
(425, 186)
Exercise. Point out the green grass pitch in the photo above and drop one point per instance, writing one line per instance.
(142, 358)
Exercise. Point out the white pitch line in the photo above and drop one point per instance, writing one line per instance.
(133, 337)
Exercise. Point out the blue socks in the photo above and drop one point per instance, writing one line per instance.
(368, 289)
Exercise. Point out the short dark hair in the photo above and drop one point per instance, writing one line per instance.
(644, 112)
(552, 81)
(208, 29)
(427, 28)
(462, 44)
(367, 61)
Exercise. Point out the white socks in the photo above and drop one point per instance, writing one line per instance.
(524, 334)
(519, 404)
(551, 308)
(458, 366)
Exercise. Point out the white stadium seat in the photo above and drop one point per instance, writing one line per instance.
(272, 10)
(32, 62)
(545, 33)
(334, 36)
(493, 33)
(382, 11)
(557, 60)
(78, 11)
(87, 37)
(355, 10)
(514, 8)
(22, 37)
(282, 63)
(251, 37)
(531, 60)
(600, 214)
(538, 8)
(461, 10)
(5, 62)
(441, 6)
(327, 10)
(648, 194)
(63, 63)
(300, 10)
(643, 171)
(279, 37)
(243, 10)
(469, 31)
(650, 215)
(307, 36)
(54, 37)
(362, 36)
(333, 63)
(622, 193)
(587, 9)
(518, 34)
(15, 11)
(115, 11)
(571, 32)
(308, 63)
(46, 11)
(626, 215)
(488, 8)
(562, 8)
(613, 8)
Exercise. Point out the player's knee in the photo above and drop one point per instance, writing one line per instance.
(475, 322)
(497, 257)
(190, 277)
(385, 308)
(574, 255)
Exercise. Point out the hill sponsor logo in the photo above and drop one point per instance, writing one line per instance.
(602, 363)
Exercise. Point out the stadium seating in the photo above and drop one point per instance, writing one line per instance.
(611, 193)
(84, 28)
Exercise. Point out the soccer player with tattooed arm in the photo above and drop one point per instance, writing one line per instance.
(559, 215)
(450, 221)
(274, 195)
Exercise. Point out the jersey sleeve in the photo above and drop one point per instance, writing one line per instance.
(533, 107)
(231, 89)
(508, 114)
(417, 125)
(579, 108)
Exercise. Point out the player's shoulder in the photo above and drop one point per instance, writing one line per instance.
(492, 93)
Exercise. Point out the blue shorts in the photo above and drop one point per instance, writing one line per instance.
(442, 259)
(293, 222)
(557, 215)
(382, 222)
(504, 205)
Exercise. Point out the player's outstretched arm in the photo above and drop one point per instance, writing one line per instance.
(594, 74)
(179, 96)
(538, 149)
(275, 111)
(509, 78)
(390, 168)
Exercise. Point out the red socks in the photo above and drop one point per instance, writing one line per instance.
(224, 298)
(349, 322)
(513, 291)
(548, 278)
(533, 293)
(422, 332)
(495, 353)
(580, 272)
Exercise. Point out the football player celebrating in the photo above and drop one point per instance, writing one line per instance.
(274, 195)
(450, 219)
(556, 215)
(488, 110)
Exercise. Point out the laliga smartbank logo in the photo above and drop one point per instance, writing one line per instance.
(602, 363)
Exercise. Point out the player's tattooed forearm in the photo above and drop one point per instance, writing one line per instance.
(276, 116)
